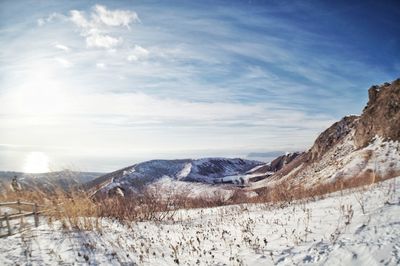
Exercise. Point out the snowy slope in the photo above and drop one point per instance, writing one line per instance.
(380, 159)
(331, 231)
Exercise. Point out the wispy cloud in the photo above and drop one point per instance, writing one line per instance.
(138, 53)
(101, 65)
(61, 47)
(62, 61)
(50, 18)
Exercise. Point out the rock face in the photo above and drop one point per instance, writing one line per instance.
(381, 116)
(331, 137)
(355, 147)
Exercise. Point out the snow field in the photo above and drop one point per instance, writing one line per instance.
(358, 227)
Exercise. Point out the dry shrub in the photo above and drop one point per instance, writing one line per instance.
(239, 196)
(75, 210)
(286, 192)
(148, 205)
(155, 203)
(78, 210)
(32, 195)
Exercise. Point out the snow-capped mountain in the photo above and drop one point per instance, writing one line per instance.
(207, 170)
(363, 147)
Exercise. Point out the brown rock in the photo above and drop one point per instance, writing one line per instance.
(372, 94)
(331, 136)
(381, 116)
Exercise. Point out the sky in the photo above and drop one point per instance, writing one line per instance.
(99, 85)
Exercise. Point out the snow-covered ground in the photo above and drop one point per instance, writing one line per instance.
(331, 231)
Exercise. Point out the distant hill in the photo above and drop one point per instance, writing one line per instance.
(268, 154)
(207, 170)
(64, 179)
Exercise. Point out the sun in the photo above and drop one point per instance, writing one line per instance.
(36, 162)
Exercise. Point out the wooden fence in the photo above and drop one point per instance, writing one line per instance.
(21, 208)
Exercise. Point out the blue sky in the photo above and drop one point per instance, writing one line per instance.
(96, 85)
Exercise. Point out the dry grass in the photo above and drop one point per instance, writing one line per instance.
(76, 209)
(287, 192)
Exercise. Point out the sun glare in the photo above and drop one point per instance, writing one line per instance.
(40, 94)
(36, 162)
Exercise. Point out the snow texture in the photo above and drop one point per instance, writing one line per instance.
(330, 231)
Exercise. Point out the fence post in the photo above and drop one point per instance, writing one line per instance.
(36, 216)
(21, 220)
(19, 206)
(8, 223)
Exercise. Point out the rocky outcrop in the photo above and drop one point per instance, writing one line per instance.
(381, 116)
(283, 160)
(277, 164)
(330, 137)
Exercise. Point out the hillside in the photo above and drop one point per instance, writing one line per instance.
(364, 148)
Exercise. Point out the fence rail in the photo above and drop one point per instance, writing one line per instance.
(20, 203)
(7, 218)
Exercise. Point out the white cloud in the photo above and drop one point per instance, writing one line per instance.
(101, 65)
(61, 47)
(64, 62)
(49, 18)
(96, 30)
(102, 41)
(78, 18)
(114, 18)
(138, 53)
(41, 22)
